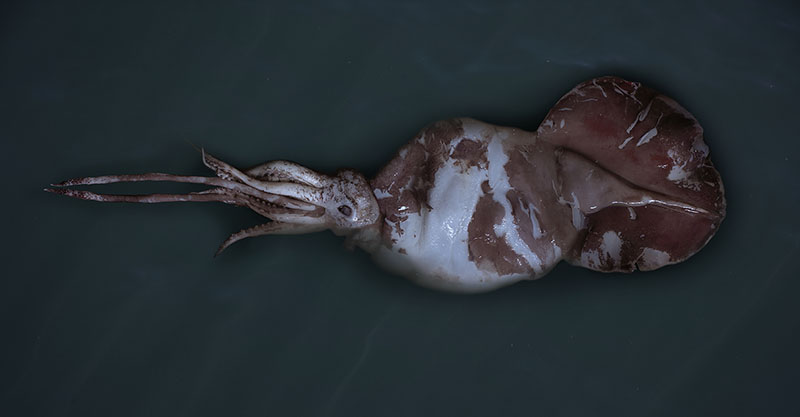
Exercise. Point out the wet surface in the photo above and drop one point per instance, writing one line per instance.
(121, 310)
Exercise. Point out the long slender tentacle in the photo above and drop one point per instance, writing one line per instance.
(144, 198)
(282, 171)
(153, 176)
(271, 228)
(218, 182)
(287, 189)
(286, 193)
(266, 209)
(298, 218)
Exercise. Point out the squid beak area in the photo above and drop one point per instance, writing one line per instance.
(293, 207)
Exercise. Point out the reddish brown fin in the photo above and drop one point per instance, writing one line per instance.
(649, 237)
(644, 137)
(652, 143)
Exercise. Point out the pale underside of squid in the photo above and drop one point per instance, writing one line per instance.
(616, 178)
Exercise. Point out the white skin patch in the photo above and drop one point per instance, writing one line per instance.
(435, 241)
(650, 133)
(498, 181)
(653, 258)
(612, 245)
(625, 93)
(556, 251)
(594, 83)
(381, 194)
(577, 216)
(647, 136)
(532, 211)
(677, 172)
(625, 142)
(610, 249)
(640, 117)
(700, 147)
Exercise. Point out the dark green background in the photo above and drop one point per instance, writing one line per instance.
(121, 310)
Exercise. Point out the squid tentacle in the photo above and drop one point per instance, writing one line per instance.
(271, 228)
(287, 189)
(282, 171)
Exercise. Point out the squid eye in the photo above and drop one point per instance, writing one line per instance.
(347, 211)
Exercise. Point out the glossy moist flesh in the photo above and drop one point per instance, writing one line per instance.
(616, 177)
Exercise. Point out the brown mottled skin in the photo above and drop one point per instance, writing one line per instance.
(486, 249)
(582, 154)
(416, 165)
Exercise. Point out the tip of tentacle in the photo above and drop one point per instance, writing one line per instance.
(210, 161)
(67, 183)
(229, 241)
(197, 148)
(83, 195)
(86, 181)
(55, 190)
(235, 237)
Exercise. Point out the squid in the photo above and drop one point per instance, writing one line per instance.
(616, 178)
